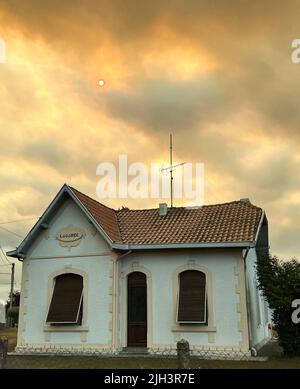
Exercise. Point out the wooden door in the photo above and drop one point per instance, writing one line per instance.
(137, 310)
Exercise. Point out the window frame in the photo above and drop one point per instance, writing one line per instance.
(205, 301)
(80, 305)
(83, 328)
(209, 328)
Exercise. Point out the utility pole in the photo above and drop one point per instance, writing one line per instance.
(12, 280)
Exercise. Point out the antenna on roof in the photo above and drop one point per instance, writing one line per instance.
(171, 168)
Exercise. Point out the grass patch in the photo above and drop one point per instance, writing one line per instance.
(87, 362)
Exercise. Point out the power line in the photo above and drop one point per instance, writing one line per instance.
(3, 260)
(4, 255)
(16, 221)
(11, 232)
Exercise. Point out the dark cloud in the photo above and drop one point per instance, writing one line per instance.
(160, 104)
(222, 27)
(46, 151)
(284, 228)
(249, 43)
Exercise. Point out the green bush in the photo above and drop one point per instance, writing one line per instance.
(280, 284)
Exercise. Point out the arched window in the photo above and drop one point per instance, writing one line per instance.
(192, 297)
(66, 301)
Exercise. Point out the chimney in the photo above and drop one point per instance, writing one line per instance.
(245, 200)
(163, 209)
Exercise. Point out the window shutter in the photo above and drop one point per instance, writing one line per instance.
(192, 297)
(66, 299)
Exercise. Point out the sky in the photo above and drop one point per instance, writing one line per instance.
(217, 74)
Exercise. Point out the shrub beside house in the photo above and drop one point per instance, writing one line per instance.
(280, 284)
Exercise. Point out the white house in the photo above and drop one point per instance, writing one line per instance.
(100, 280)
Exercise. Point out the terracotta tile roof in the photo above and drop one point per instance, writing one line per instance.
(236, 221)
(105, 216)
(231, 222)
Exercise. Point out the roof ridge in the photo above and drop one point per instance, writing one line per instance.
(119, 224)
(187, 207)
(91, 198)
(98, 204)
(125, 209)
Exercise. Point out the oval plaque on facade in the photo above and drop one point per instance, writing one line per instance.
(70, 236)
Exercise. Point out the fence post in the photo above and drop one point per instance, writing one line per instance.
(183, 354)
(3, 351)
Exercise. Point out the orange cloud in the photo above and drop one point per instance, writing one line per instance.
(219, 77)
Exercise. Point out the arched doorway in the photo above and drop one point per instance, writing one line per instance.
(136, 310)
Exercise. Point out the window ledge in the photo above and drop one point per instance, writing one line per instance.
(48, 328)
(195, 328)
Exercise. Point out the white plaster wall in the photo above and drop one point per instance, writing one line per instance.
(162, 265)
(91, 256)
(258, 312)
(47, 246)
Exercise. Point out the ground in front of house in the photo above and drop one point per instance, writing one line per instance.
(276, 361)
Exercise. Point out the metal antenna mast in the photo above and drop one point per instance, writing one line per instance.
(171, 168)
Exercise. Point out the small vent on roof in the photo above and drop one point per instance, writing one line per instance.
(245, 200)
(163, 209)
(123, 208)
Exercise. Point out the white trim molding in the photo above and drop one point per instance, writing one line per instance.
(70, 328)
(241, 306)
(210, 328)
(135, 267)
(75, 328)
(23, 303)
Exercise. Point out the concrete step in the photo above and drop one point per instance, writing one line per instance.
(135, 350)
